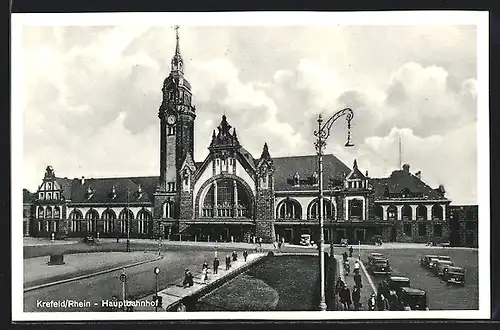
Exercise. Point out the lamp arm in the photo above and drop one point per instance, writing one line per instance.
(324, 131)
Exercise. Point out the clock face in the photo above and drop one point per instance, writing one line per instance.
(171, 119)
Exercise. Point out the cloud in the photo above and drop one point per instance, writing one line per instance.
(92, 95)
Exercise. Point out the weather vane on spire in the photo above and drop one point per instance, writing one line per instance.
(176, 28)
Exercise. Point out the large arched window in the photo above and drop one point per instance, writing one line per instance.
(437, 212)
(392, 212)
(76, 220)
(48, 212)
(421, 212)
(57, 212)
(143, 218)
(289, 209)
(328, 209)
(168, 209)
(92, 216)
(228, 198)
(41, 212)
(125, 216)
(355, 209)
(407, 212)
(108, 216)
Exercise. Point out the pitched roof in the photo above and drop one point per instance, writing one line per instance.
(66, 186)
(305, 166)
(28, 197)
(102, 190)
(400, 180)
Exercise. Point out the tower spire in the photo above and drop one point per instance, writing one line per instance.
(177, 61)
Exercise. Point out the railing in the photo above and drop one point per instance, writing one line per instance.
(224, 212)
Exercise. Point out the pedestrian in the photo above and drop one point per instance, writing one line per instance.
(188, 279)
(274, 245)
(245, 255)
(383, 304)
(235, 256)
(407, 308)
(279, 245)
(393, 300)
(344, 255)
(372, 302)
(228, 262)
(350, 251)
(260, 244)
(356, 296)
(345, 298)
(204, 266)
(216, 265)
(357, 280)
(339, 285)
(204, 275)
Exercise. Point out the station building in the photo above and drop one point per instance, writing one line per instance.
(233, 195)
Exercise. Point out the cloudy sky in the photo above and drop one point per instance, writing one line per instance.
(91, 96)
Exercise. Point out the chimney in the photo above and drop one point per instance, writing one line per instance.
(419, 175)
(406, 167)
(366, 174)
(82, 180)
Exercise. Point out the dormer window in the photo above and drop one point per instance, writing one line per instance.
(296, 179)
(90, 192)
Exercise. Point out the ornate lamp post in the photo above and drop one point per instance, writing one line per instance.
(128, 222)
(322, 135)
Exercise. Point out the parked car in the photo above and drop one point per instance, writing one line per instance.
(394, 283)
(439, 267)
(380, 266)
(415, 298)
(427, 260)
(305, 239)
(374, 255)
(89, 240)
(455, 275)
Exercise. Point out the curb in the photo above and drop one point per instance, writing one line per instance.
(217, 283)
(41, 286)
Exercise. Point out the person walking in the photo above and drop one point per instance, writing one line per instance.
(228, 262)
(216, 265)
(280, 244)
(260, 244)
(393, 300)
(204, 266)
(188, 279)
(235, 256)
(345, 297)
(350, 251)
(204, 275)
(356, 296)
(339, 285)
(383, 304)
(344, 255)
(372, 302)
(357, 280)
(245, 255)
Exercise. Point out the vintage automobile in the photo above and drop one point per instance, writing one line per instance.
(374, 255)
(439, 267)
(379, 266)
(428, 260)
(454, 275)
(305, 239)
(394, 283)
(344, 242)
(414, 298)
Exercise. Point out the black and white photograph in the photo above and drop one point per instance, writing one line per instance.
(264, 165)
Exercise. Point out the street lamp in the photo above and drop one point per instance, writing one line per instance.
(128, 223)
(156, 271)
(322, 135)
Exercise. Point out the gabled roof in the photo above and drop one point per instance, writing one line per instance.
(28, 197)
(400, 180)
(355, 173)
(102, 189)
(305, 166)
(66, 186)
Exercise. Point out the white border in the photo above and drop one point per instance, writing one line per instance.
(480, 19)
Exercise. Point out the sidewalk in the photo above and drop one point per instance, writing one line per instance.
(37, 272)
(175, 293)
(38, 241)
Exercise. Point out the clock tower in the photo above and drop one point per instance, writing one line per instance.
(177, 115)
